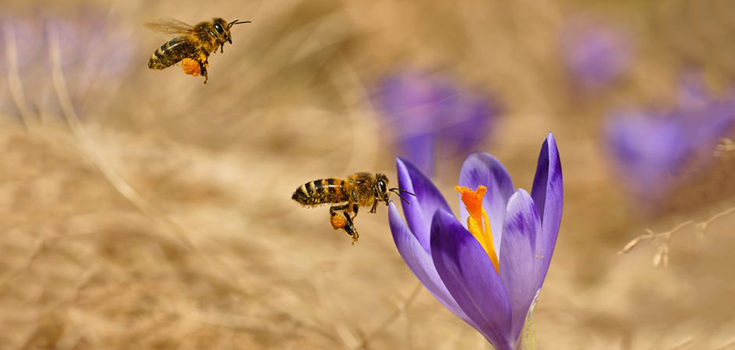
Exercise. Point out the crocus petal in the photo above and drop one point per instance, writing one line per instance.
(518, 265)
(421, 207)
(482, 169)
(470, 277)
(420, 262)
(548, 194)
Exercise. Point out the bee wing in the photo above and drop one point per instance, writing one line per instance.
(169, 25)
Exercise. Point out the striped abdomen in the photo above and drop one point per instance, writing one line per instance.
(320, 192)
(171, 53)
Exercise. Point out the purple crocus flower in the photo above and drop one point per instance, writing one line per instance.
(430, 115)
(652, 148)
(594, 54)
(456, 260)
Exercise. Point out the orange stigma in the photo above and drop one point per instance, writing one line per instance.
(478, 223)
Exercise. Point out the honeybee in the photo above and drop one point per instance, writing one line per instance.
(194, 43)
(357, 190)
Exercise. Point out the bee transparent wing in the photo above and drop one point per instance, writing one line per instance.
(169, 25)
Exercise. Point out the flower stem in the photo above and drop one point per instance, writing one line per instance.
(528, 336)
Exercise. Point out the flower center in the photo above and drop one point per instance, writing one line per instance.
(478, 223)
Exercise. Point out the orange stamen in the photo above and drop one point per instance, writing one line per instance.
(478, 223)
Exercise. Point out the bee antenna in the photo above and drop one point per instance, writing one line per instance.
(237, 21)
(398, 192)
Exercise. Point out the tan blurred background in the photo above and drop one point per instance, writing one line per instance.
(142, 210)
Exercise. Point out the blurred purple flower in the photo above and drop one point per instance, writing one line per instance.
(93, 53)
(90, 45)
(430, 114)
(19, 38)
(21, 53)
(595, 54)
(651, 148)
(458, 263)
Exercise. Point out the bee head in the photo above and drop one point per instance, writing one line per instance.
(222, 28)
(381, 184)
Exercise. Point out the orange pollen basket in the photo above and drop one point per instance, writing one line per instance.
(191, 67)
(479, 223)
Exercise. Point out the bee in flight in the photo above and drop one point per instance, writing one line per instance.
(193, 44)
(348, 195)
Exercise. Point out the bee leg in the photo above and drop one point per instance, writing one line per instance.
(375, 201)
(338, 222)
(222, 48)
(355, 208)
(353, 203)
(350, 228)
(333, 209)
(203, 67)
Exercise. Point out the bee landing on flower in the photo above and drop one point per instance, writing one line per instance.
(488, 267)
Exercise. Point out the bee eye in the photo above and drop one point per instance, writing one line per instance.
(381, 184)
(218, 28)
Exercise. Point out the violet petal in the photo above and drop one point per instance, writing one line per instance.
(470, 277)
(518, 268)
(548, 194)
(420, 262)
(421, 207)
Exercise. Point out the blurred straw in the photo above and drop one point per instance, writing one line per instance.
(88, 146)
(14, 81)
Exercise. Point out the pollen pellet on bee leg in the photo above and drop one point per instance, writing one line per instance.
(191, 67)
(338, 222)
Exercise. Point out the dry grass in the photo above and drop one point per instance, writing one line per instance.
(147, 211)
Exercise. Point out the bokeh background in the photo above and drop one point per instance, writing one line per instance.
(142, 210)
